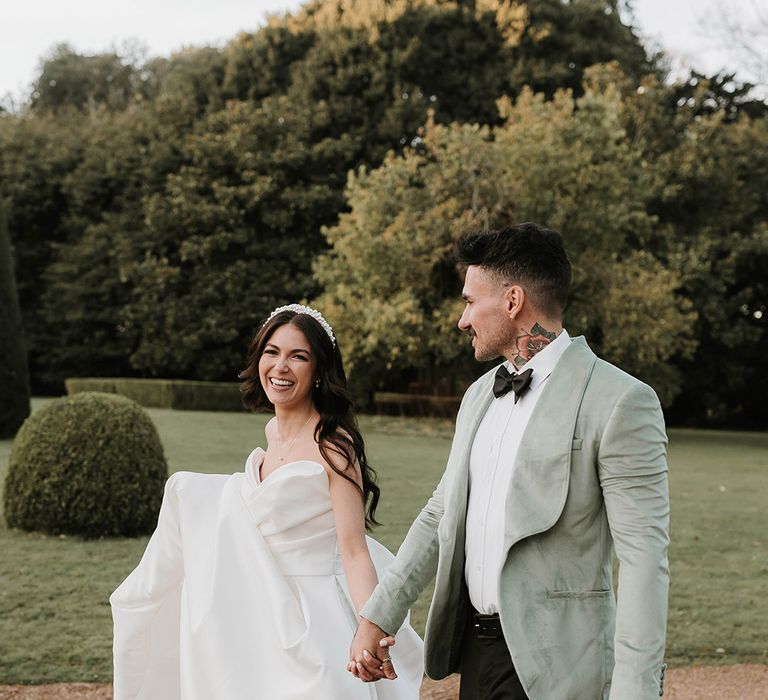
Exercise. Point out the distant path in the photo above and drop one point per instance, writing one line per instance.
(742, 682)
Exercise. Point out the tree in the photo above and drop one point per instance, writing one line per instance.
(86, 284)
(38, 153)
(391, 291)
(706, 142)
(70, 79)
(231, 235)
(259, 65)
(714, 211)
(14, 377)
(703, 95)
(85, 290)
(385, 63)
(115, 146)
(158, 215)
(561, 40)
(191, 79)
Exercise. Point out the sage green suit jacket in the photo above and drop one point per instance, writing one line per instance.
(590, 477)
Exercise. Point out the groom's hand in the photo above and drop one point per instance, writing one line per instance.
(369, 653)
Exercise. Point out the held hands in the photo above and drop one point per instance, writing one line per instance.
(370, 665)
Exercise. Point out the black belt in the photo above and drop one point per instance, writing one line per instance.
(486, 626)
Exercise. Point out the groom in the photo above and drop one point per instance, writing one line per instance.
(558, 459)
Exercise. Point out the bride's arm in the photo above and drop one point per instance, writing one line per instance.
(349, 515)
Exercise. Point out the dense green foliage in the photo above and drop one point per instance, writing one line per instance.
(159, 209)
(663, 214)
(14, 378)
(89, 465)
(564, 161)
(57, 625)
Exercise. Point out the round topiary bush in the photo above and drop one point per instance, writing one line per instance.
(91, 464)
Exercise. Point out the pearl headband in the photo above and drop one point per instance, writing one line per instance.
(307, 310)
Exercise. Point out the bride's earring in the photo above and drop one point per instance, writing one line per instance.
(317, 383)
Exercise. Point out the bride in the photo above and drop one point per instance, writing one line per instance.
(251, 583)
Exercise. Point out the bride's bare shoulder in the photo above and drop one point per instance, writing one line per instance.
(270, 429)
(340, 457)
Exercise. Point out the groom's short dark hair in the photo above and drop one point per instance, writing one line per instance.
(526, 254)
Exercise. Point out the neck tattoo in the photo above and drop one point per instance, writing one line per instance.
(293, 441)
(529, 344)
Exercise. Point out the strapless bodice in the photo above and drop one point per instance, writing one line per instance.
(292, 510)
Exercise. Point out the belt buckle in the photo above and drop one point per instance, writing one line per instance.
(487, 626)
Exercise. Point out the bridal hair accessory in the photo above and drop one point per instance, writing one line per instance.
(309, 311)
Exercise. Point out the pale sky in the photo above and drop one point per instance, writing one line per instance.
(30, 28)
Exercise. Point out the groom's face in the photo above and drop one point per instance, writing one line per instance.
(485, 316)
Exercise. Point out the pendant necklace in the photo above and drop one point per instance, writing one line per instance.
(290, 447)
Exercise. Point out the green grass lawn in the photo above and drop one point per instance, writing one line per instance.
(55, 623)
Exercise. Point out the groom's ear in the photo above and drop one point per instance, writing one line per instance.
(514, 300)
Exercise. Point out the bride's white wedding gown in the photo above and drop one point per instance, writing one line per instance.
(241, 595)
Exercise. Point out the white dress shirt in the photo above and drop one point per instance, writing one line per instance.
(491, 463)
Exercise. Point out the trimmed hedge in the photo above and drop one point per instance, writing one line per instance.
(416, 404)
(90, 465)
(185, 395)
(180, 394)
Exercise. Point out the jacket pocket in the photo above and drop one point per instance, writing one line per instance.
(580, 594)
(576, 444)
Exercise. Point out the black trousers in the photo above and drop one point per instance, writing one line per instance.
(487, 671)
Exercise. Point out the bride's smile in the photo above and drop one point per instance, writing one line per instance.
(287, 367)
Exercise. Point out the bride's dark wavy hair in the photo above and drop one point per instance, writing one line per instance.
(336, 430)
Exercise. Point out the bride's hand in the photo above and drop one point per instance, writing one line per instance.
(370, 665)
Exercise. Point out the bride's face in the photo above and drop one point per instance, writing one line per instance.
(287, 367)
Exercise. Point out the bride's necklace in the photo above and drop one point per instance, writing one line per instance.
(293, 442)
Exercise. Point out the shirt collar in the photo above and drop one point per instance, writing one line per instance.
(543, 362)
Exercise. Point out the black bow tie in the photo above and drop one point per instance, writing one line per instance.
(506, 382)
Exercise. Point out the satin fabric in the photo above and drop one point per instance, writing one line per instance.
(241, 594)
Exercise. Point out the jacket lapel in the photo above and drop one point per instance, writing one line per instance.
(540, 477)
(457, 486)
